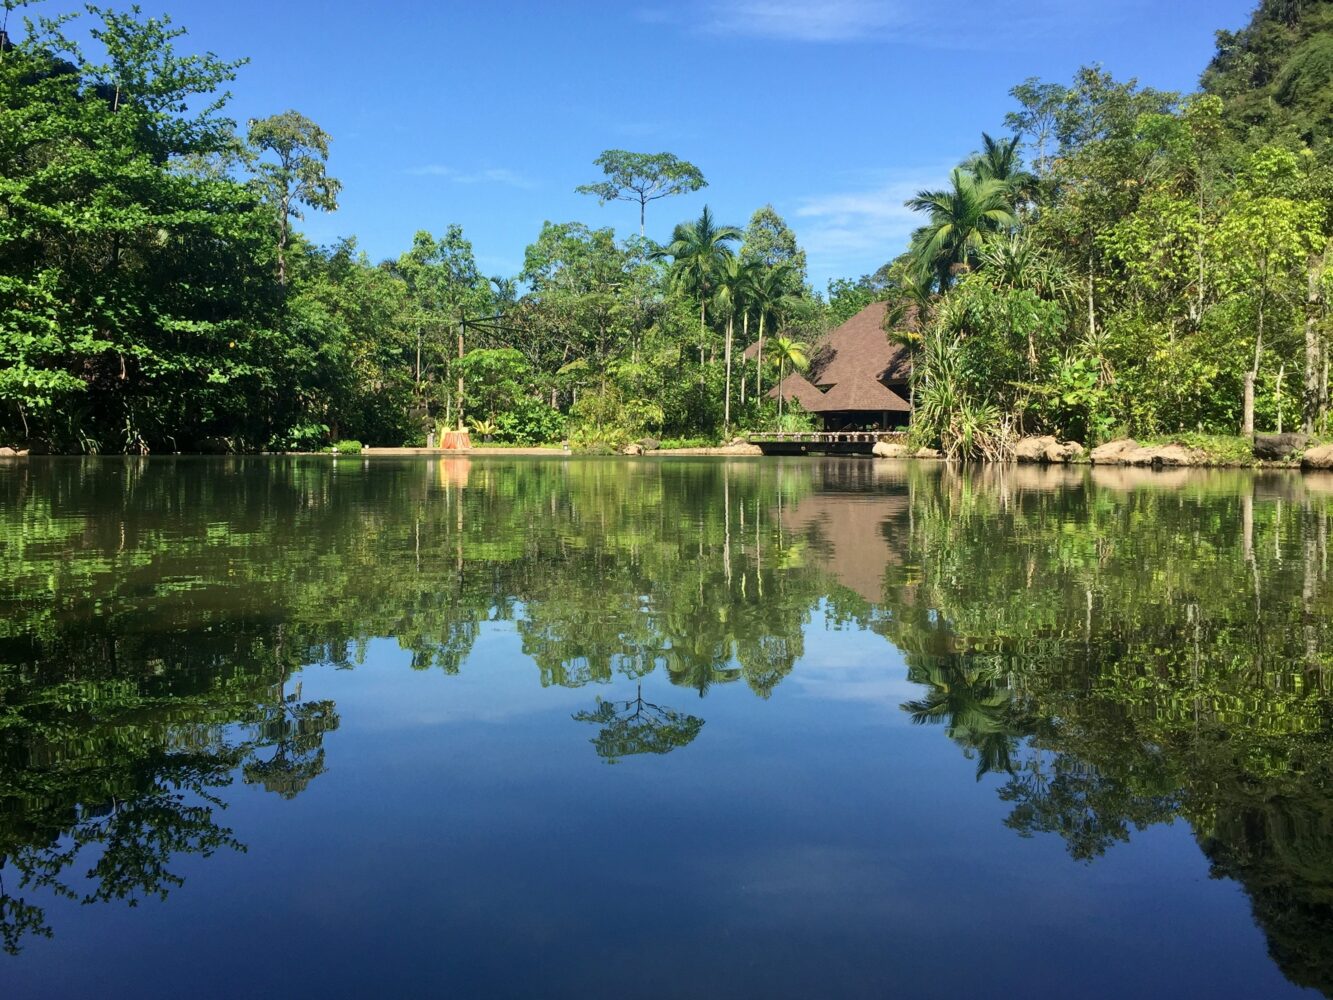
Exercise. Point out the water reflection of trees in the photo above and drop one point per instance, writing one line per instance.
(153, 616)
(1116, 654)
(1121, 655)
(636, 726)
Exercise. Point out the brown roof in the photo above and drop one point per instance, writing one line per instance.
(859, 393)
(860, 349)
(795, 386)
(752, 352)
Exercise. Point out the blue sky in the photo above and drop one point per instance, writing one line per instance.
(489, 114)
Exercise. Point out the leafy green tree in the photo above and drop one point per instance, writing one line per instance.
(296, 176)
(641, 178)
(769, 241)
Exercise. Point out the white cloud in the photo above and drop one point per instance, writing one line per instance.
(854, 231)
(804, 21)
(972, 24)
(491, 175)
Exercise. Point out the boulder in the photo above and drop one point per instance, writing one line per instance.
(632, 449)
(1113, 452)
(740, 447)
(927, 453)
(649, 444)
(1034, 449)
(1063, 452)
(8, 453)
(1173, 455)
(1319, 457)
(890, 449)
(1275, 447)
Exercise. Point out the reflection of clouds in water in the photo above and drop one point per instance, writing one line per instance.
(858, 666)
(496, 684)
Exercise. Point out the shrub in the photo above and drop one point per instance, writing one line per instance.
(347, 448)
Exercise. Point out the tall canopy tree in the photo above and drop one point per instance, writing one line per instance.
(642, 177)
(296, 176)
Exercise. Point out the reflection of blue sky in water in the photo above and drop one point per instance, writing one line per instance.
(467, 839)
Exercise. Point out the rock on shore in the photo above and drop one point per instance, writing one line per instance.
(1127, 451)
(1047, 449)
(890, 449)
(1318, 457)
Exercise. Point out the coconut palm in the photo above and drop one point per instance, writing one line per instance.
(788, 352)
(736, 284)
(961, 217)
(999, 160)
(698, 251)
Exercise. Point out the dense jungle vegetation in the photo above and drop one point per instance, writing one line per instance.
(1123, 260)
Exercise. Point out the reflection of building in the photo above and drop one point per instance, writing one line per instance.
(857, 377)
(848, 536)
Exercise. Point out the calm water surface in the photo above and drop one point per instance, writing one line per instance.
(590, 728)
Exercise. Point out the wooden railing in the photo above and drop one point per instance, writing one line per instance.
(826, 437)
(828, 442)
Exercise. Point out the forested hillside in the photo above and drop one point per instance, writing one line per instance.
(1115, 259)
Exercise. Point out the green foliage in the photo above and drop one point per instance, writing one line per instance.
(348, 447)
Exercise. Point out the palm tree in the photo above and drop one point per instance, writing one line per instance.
(961, 217)
(999, 160)
(770, 300)
(736, 283)
(698, 250)
(788, 352)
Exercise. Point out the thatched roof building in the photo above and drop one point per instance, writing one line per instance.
(861, 377)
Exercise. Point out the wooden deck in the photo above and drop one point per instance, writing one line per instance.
(823, 442)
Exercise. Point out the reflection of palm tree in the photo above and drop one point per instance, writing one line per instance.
(636, 726)
(976, 710)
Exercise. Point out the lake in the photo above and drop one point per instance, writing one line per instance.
(662, 727)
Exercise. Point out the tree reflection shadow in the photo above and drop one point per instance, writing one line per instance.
(636, 726)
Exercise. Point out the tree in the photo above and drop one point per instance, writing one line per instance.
(698, 252)
(1264, 243)
(736, 282)
(788, 353)
(999, 160)
(641, 178)
(771, 242)
(960, 217)
(298, 177)
(769, 300)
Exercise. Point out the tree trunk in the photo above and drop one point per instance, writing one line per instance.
(726, 406)
(759, 365)
(460, 375)
(1311, 401)
(1247, 417)
(1277, 394)
(745, 336)
(1252, 376)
